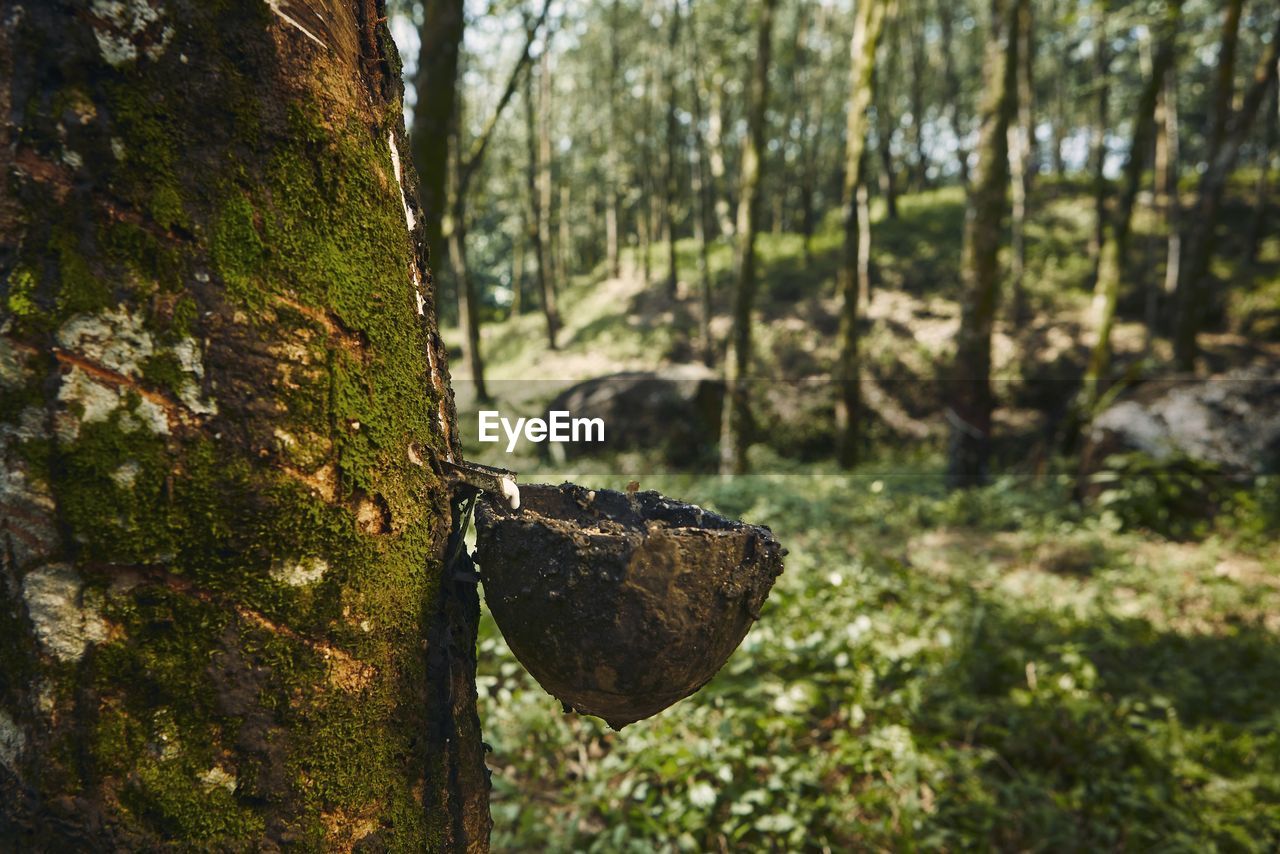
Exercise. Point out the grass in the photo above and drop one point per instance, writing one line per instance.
(1003, 668)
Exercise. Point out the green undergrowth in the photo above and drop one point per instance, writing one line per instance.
(1004, 668)
(991, 669)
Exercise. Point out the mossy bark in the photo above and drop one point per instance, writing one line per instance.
(225, 621)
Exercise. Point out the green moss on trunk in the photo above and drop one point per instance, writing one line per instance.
(220, 366)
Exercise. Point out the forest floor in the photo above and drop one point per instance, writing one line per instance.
(1003, 667)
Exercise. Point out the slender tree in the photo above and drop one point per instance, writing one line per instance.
(971, 403)
(703, 220)
(1261, 190)
(1101, 12)
(1223, 82)
(1021, 134)
(228, 622)
(1106, 294)
(671, 182)
(540, 158)
(951, 83)
(913, 31)
(1193, 286)
(868, 23)
(436, 84)
(736, 428)
(886, 124)
(1167, 169)
(715, 153)
(612, 164)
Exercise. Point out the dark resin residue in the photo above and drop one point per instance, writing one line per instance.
(618, 604)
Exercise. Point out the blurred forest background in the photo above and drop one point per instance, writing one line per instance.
(981, 300)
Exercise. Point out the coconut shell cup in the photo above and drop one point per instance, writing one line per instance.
(621, 604)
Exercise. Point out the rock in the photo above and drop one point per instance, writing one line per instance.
(675, 411)
(1230, 421)
(620, 604)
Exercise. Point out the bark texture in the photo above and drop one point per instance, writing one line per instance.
(224, 622)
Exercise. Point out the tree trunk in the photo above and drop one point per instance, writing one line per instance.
(867, 25)
(612, 256)
(1062, 61)
(702, 220)
(1171, 202)
(1192, 293)
(735, 433)
(1020, 168)
(1258, 222)
(468, 300)
(536, 214)
(564, 239)
(1106, 293)
(915, 89)
(971, 404)
(436, 83)
(518, 263)
(542, 218)
(715, 157)
(1098, 145)
(810, 79)
(223, 527)
(647, 222)
(673, 130)
(951, 82)
(1223, 85)
(886, 125)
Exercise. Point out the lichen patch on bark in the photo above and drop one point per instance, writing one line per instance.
(12, 740)
(123, 27)
(300, 573)
(64, 623)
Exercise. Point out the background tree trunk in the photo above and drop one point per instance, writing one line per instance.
(673, 131)
(542, 217)
(715, 156)
(886, 124)
(1021, 136)
(1223, 82)
(951, 81)
(1106, 294)
(867, 26)
(613, 261)
(969, 412)
(703, 222)
(222, 522)
(1193, 273)
(436, 83)
(914, 33)
(1167, 172)
(1261, 190)
(735, 433)
(1101, 10)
